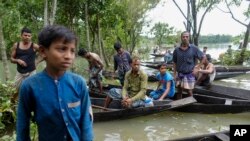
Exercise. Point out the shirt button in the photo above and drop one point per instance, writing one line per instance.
(62, 110)
(67, 123)
(60, 99)
(65, 136)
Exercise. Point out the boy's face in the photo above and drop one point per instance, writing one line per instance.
(163, 69)
(59, 56)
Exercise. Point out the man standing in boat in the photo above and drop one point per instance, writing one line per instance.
(184, 59)
(122, 61)
(206, 73)
(133, 93)
(95, 68)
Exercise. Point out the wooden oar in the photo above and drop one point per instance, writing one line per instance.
(103, 108)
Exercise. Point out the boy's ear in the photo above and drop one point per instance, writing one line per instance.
(42, 52)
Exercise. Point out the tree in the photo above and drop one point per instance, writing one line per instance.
(246, 24)
(161, 31)
(133, 17)
(49, 12)
(195, 7)
(2, 44)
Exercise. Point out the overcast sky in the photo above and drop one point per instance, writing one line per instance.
(215, 22)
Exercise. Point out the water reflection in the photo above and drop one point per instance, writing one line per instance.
(166, 125)
(242, 81)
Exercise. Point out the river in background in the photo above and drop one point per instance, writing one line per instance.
(170, 124)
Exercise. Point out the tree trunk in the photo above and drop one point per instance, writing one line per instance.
(99, 37)
(3, 53)
(53, 12)
(87, 25)
(244, 46)
(188, 25)
(194, 14)
(46, 13)
(103, 52)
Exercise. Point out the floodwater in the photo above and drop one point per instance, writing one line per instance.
(170, 124)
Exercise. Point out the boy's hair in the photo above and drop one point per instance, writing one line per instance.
(117, 46)
(52, 33)
(163, 64)
(82, 52)
(26, 30)
(208, 56)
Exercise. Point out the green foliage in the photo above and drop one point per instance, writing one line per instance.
(7, 108)
(233, 59)
(215, 39)
(161, 32)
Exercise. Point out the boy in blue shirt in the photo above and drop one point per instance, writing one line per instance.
(59, 99)
(166, 85)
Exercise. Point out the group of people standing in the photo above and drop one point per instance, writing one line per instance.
(58, 100)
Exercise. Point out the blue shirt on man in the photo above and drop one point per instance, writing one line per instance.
(62, 108)
(185, 59)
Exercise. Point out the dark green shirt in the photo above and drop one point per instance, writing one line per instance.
(135, 85)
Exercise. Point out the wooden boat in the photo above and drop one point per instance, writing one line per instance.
(152, 62)
(206, 102)
(157, 55)
(218, 136)
(223, 91)
(218, 68)
(156, 65)
(115, 110)
(232, 69)
(218, 76)
(213, 105)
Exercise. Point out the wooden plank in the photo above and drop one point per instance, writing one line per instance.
(182, 102)
(222, 137)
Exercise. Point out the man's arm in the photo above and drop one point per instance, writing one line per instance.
(125, 87)
(36, 47)
(100, 64)
(13, 54)
(209, 69)
(115, 64)
(174, 64)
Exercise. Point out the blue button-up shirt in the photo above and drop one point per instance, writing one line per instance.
(185, 59)
(61, 108)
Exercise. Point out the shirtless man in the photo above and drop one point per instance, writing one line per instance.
(24, 54)
(95, 67)
(206, 71)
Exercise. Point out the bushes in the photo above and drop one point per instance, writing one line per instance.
(234, 58)
(7, 108)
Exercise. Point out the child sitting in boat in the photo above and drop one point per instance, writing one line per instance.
(166, 85)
